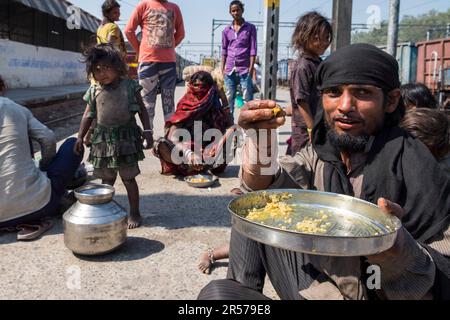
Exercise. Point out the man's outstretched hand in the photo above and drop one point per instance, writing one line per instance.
(261, 114)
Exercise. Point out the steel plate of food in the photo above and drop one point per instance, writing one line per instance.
(314, 222)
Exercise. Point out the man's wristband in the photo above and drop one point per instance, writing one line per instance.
(309, 130)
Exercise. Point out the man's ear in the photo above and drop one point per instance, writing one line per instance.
(393, 98)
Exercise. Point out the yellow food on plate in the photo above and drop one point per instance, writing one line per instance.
(278, 210)
(198, 180)
(310, 225)
(275, 208)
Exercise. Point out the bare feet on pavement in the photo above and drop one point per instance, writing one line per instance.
(205, 264)
(210, 256)
(134, 221)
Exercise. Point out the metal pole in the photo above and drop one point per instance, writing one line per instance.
(270, 51)
(342, 23)
(394, 10)
(212, 38)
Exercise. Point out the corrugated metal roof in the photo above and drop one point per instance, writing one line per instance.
(58, 8)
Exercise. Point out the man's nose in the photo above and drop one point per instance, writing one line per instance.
(346, 102)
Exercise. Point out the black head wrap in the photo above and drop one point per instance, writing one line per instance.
(359, 64)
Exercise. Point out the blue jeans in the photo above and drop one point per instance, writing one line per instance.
(60, 172)
(231, 83)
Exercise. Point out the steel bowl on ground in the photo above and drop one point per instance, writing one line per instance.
(210, 180)
(359, 228)
(94, 193)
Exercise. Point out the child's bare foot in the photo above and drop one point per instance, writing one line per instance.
(205, 263)
(134, 221)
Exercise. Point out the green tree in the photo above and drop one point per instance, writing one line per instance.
(412, 29)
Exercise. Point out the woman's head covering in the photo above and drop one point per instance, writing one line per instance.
(359, 64)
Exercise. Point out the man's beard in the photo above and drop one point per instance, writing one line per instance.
(346, 142)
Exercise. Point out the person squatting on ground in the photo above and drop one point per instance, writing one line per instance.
(200, 105)
(30, 195)
(117, 143)
(358, 150)
(162, 28)
(312, 36)
(432, 128)
(239, 49)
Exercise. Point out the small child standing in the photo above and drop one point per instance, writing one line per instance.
(117, 143)
(311, 38)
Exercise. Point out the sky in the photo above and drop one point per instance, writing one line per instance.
(199, 14)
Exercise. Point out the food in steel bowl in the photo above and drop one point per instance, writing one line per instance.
(201, 180)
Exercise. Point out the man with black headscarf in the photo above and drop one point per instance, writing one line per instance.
(357, 150)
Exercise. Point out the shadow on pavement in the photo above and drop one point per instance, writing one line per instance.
(175, 211)
(232, 171)
(218, 265)
(8, 237)
(135, 248)
(168, 210)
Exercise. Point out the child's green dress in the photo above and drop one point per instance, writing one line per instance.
(117, 139)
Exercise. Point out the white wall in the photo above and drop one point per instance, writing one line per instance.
(25, 66)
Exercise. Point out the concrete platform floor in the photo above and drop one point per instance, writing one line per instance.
(159, 259)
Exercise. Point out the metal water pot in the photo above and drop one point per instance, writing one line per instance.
(95, 224)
